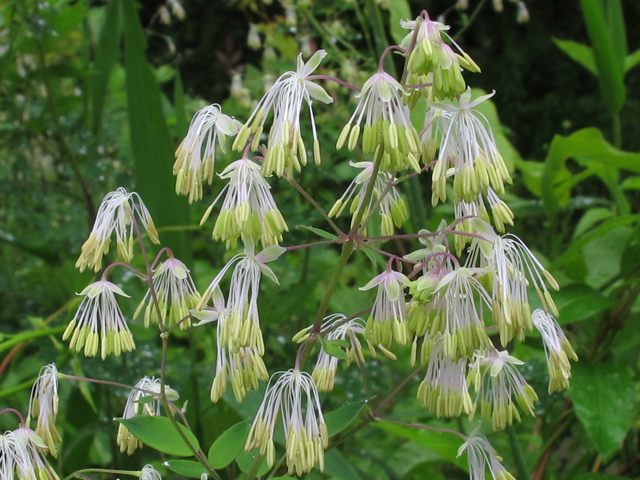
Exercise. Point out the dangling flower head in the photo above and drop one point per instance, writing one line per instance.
(286, 150)
(117, 212)
(557, 349)
(249, 210)
(387, 324)
(149, 473)
(294, 396)
(99, 308)
(43, 405)
(387, 124)
(195, 155)
(498, 383)
(393, 210)
(22, 456)
(481, 455)
(176, 294)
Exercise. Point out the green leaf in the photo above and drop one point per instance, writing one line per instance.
(375, 257)
(182, 124)
(334, 351)
(228, 445)
(579, 53)
(579, 302)
(337, 343)
(606, 51)
(342, 417)
(186, 468)
(398, 10)
(319, 232)
(160, 434)
(150, 139)
(604, 400)
(587, 143)
(589, 219)
(83, 386)
(106, 55)
(631, 183)
(247, 459)
(339, 467)
(631, 60)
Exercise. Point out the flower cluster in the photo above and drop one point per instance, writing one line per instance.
(43, 405)
(22, 456)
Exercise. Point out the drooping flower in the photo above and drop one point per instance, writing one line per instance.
(248, 210)
(293, 396)
(149, 473)
(118, 212)
(22, 456)
(99, 310)
(387, 323)
(43, 405)
(146, 387)
(392, 208)
(286, 150)
(480, 455)
(195, 156)
(387, 124)
(557, 349)
(176, 294)
(498, 384)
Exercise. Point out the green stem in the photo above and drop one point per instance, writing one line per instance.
(21, 337)
(472, 17)
(254, 468)
(617, 130)
(521, 464)
(23, 386)
(132, 473)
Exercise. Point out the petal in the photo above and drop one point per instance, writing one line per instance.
(317, 92)
(269, 273)
(270, 254)
(377, 280)
(312, 64)
(481, 99)
(227, 125)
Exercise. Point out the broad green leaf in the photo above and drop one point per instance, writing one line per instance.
(604, 401)
(606, 52)
(589, 219)
(342, 417)
(334, 351)
(631, 60)
(587, 143)
(603, 256)
(579, 53)
(160, 434)
(247, 459)
(398, 10)
(531, 175)
(182, 124)
(337, 343)
(228, 445)
(319, 232)
(186, 468)
(579, 302)
(106, 55)
(339, 467)
(614, 19)
(631, 183)
(150, 139)
(445, 445)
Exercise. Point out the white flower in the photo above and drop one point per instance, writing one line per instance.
(481, 455)
(387, 322)
(176, 294)
(149, 473)
(249, 210)
(294, 396)
(22, 456)
(43, 405)
(392, 208)
(117, 212)
(387, 124)
(557, 349)
(99, 309)
(498, 384)
(245, 367)
(286, 150)
(195, 156)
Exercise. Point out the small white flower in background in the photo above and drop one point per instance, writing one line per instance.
(22, 456)
(286, 150)
(480, 456)
(387, 323)
(387, 124)
(557, 349)
(253, 38)
(523, 13)
(498, 384)
(294, 396)
(392, 208)
(248, 210)
(195, 156)
(100, 310)
(176, 294)
(117, 212)
(43, 405)
(149, 473)
(125, 439)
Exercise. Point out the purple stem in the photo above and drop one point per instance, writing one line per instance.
(333, 79)
(14, 411)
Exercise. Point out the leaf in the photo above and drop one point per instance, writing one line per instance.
(606, 51)
(398, 10)
(589, 219)
(579, 302)
(631, 60)
(83, 386)
(339, 467)
(334, 351)
(186, 468)
(160, 434)
(150, 139)
(228, 445)
(375, 257)
(106, 54)
(586, 143)
(342, 417)
(604, 400)
(579, 53)
(247, 459)
(319, 232)
(182, 124)
(631, 183)
(442, 443)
